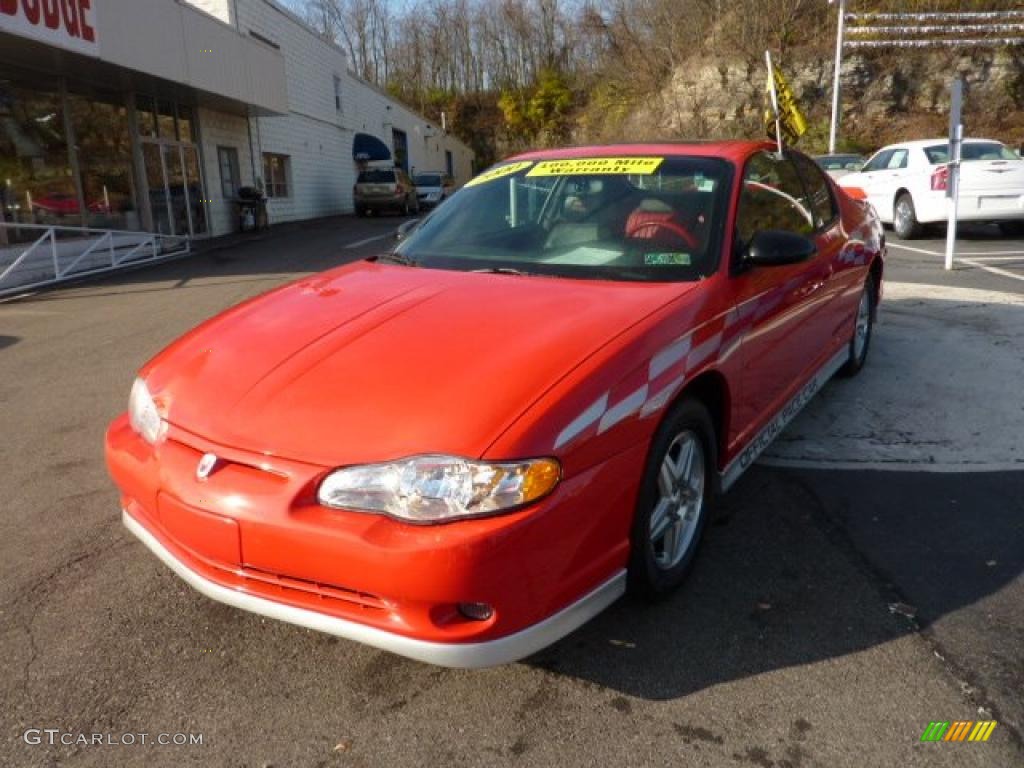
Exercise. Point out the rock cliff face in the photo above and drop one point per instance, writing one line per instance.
(886, 96)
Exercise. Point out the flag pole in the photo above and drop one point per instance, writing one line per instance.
(775, 100)
(836, 72)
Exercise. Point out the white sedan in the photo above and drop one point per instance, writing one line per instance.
(907, 183)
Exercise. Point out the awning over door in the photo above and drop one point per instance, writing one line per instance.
(366, 147)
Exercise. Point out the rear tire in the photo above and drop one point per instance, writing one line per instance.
(904, 220)
(863, 325)
(1012, 228)
(674, 503)
(360, 212)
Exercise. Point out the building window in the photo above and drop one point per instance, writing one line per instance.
(275, 174)
(145, 112)
(337, 93)
(449, 163)
(227, 159)
(103, 146)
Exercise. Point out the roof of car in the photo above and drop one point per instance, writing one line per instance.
(929, 142)
(733, 150)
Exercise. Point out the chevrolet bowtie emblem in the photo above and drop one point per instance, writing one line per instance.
(206, 465)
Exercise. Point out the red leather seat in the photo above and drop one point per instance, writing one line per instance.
(655, 220)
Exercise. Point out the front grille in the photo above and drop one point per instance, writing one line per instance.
(319, 589)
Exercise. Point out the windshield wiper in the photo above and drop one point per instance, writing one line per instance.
(394, 258)
(503, 271)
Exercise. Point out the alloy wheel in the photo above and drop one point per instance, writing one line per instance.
(676, 514)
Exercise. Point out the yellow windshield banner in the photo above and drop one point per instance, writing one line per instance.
(597, 166)
(499, 172)
(794, 125)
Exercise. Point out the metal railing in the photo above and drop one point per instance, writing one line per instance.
(59, 253)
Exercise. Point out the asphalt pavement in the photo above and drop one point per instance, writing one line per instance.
(836, 608)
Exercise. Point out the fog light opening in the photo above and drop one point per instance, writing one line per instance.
(476, 611)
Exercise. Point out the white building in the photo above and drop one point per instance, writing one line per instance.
(150, 114)
(328, 107)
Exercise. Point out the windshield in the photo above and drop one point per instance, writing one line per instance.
(974, 150)
(426, 180)
(840, 162)
(624, 218)
(376, 177)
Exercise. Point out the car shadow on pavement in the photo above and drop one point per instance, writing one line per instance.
(8, 341)
(780, 584)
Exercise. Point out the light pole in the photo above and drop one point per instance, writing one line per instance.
(840, 30)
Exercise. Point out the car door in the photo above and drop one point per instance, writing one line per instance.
(842, 289)
(871, 180)
(778, 310)
(886, 180)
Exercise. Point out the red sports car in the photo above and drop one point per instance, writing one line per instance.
(463, 449)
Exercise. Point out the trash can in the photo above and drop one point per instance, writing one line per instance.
(252, 210)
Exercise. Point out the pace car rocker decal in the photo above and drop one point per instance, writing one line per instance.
(785, 415)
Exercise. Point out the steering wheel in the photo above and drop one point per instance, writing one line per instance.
(676, 229)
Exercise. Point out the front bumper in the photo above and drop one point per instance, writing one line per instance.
(252, 535)
(462, 655)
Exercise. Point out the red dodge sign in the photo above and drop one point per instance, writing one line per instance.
(68, 24)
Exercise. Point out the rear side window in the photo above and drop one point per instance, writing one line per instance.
(376, 176)
(897, 160)
(879, 161)
(823, 205)
(772, 197)
(975, 150)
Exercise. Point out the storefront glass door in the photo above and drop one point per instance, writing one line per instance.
(194, 188)
(175, 188)
(157, 185)
(167, 133)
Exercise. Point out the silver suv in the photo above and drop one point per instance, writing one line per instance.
(385, 189)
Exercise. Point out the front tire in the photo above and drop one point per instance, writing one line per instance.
(863, 327)
(676, 494)
(904, 220)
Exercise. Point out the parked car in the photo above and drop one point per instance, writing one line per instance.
(432, 189)
(907, 184)
(463, 449)
(384, 189)
(838, 166)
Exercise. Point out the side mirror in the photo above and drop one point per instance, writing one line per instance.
(775, 248)
(407, 229)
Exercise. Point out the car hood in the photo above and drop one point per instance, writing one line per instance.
(373, 361)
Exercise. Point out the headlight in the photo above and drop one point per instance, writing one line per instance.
(428, 489)
(143, 414)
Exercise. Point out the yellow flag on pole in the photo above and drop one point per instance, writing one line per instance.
(793, 123)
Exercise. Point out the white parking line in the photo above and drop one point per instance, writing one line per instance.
(968, 261)
(979, 257)
(368, 240)
(973, 254)
(993, 253)
(914, 250)
(993, 270)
